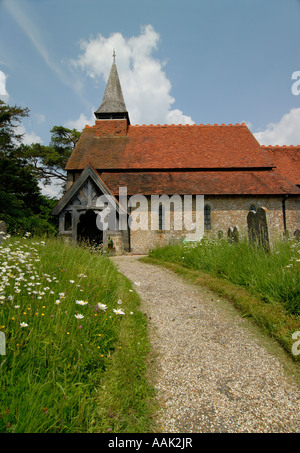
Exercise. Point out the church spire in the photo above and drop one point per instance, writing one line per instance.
(113, 105)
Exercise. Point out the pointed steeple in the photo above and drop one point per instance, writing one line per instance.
(113, 105)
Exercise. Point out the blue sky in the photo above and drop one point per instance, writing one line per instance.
(191, 61)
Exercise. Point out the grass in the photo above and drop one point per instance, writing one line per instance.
(264, 286)
(70, 365)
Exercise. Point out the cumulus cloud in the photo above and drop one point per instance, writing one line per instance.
(145, 86)
(285, 132)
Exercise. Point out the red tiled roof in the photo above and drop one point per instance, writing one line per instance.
(168, 147)
(287, 161)
(200, 182)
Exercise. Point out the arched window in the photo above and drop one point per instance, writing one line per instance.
(207, 217)
(68, 221)
(160, 217)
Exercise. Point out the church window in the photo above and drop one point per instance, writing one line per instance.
(160, 217)
(68, 221)
(207, 217)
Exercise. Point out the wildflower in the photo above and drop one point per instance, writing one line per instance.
(119, 301)
(62, 295)
(81, 302)
(119, 311)
(23, 324)
(71, 281)
(57, 302)
(79, 316)
(102, 306)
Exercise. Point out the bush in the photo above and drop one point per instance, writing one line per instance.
(34, 225)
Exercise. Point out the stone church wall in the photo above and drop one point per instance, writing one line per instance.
(229, 212)
(226, 212)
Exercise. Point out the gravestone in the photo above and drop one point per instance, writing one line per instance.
(233, 235)
(258, 230)
(3, 229)
(297, 234)
(229, 234)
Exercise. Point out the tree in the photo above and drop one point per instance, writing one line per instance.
(10, 118)
(22, 205)
(48, 162)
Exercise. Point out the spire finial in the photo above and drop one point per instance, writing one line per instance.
(114, 56)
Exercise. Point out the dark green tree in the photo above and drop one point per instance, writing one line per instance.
(22, 205)
(10, 119)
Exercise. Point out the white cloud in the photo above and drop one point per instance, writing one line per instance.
(28, 138)
(53, 190)
(285, 132)
(3, 92)
(145, 87)
(80, 123)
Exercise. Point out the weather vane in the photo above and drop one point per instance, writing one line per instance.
(114, 55)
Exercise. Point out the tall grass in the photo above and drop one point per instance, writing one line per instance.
(274, 277)
(62, 312)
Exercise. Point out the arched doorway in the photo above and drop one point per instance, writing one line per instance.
(87, 230)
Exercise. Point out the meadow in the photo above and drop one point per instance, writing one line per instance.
(264, 286)
(75, 342)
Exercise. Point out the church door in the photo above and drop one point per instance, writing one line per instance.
(87, 230)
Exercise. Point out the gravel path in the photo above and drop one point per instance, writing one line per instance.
(211, 372)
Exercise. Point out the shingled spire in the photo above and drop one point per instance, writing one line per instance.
(113, 105)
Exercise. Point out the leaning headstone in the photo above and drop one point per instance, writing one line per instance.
(3, 229)
(258, 230)
(220, 234)
(297, 234)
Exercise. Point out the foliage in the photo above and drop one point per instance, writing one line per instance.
(48, 162)
(22, 205)
(10, 118)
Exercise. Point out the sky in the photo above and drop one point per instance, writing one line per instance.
(179, 62)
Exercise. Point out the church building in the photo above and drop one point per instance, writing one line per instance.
(168, 183)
